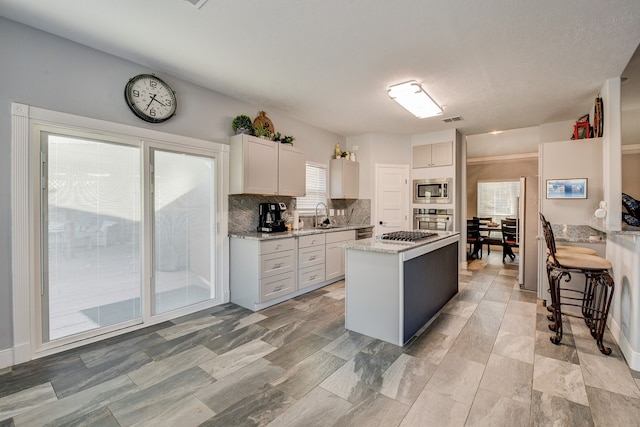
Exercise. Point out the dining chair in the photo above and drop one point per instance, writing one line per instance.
(485, 236)
(510, 238)
(473, 238)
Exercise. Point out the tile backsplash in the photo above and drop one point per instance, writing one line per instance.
(243, 211)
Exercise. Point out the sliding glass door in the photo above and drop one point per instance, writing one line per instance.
(183, 231)
(101, 268)
(91, 234)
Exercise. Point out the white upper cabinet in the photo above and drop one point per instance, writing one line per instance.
(260, 166)
(291, 171)
(432, 155)
(344, 179)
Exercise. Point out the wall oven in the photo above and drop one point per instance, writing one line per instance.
(436, 190)
(433, 219)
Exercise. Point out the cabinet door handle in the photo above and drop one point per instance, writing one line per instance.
(312, 277)
(277, 288)
(312, 258)
(278, 265)
(277, 247)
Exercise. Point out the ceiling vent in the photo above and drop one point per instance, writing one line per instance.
(197, 3)
(452, 119)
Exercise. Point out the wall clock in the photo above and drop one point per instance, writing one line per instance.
(150, 98)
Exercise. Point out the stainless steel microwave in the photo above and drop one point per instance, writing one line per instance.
(432, 190)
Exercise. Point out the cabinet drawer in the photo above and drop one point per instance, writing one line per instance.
(341, 236)
(310, 256)
(310, 276)
(277, 245)
(276, 263)
(277, 286)
(311, 240)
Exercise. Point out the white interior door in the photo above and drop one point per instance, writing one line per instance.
(392, 198)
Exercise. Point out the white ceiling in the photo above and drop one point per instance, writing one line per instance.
(498, 64)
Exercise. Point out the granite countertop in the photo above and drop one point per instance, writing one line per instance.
(625, 228)
(577, 233)
(256, 235)
(390, 247)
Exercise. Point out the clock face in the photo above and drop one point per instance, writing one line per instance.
(150, 98)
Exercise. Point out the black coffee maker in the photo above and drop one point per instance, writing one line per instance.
(271, 217)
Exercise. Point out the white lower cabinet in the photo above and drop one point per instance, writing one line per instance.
(311, 260)
(266, 272)
(261, 271)
(335, 254)
(277, 286)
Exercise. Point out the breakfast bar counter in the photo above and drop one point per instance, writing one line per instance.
(393, 289)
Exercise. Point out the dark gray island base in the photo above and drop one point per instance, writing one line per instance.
(392, 290)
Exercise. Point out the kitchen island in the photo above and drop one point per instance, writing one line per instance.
(393, 289)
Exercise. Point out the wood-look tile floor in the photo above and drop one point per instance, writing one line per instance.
(486, 360)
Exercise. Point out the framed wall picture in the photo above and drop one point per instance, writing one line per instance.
(567, 188)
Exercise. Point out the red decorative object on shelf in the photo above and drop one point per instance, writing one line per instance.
(581, 130)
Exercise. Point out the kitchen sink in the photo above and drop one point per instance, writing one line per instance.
(328, 227)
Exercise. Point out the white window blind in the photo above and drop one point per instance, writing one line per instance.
(316, 189)
(498, 199)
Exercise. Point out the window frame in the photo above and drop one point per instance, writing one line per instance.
(493, 214)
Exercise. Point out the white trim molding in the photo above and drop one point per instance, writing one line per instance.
(507, 157)
(20, 233)
(631, 149)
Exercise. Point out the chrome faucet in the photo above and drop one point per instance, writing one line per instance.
(326, 210)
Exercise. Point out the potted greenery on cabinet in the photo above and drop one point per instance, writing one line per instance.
(242, 124)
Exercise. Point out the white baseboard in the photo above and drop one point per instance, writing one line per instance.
(632, 357)
(6, 358)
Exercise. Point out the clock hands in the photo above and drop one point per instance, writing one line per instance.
(159, 102)
(152, 99)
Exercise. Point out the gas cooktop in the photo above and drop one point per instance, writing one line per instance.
(407, 236)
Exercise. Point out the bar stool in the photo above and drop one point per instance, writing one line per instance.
(561, 249)
(595, 299)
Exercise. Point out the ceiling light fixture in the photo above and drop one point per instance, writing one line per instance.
(496, 132)
(414, 99)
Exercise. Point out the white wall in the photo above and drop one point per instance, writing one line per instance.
(513, 141)
(566, 160)
(46, 71)
(375, 149)
(556, 131)
(612, 153)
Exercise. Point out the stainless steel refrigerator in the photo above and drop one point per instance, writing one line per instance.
(528, 213)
